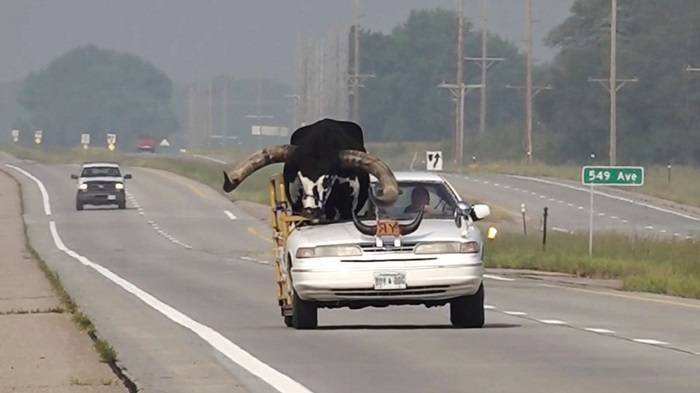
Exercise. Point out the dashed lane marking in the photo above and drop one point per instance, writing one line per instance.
(552, 322)
(229, 215)
(515, 313)
(599, 330)
(649, 341)
(498, 278)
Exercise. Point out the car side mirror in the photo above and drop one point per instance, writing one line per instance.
(480, 211)
(127, 176)
(74, 177)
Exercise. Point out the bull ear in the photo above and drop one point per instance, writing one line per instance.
(260, 159)
(388, 191)
(413, 226)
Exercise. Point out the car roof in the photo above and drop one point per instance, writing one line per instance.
(418, 176)
(100, 164)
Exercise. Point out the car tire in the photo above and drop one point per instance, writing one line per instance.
(288, 321)
(122, 205)
(468, 311)
(78, 206)
(304, 314)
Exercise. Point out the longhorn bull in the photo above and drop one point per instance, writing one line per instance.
(326, 171)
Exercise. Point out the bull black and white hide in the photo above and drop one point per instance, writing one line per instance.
(326, 171)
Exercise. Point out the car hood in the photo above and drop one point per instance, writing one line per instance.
(101, 179)
(346, 233)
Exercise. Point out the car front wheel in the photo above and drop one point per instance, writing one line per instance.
(305, 314)
(468, 311)
(78, 205)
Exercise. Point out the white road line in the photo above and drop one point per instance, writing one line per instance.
(600, 331)
(496, 184)
(216, 160)
(247, 259)
(489, 307)
(236, 354)
(632, 201)
(601, 214)
(543, 196)
(580, 207)
(570, 204)
(649, 341)
(552, 200)
(552, 322)
(515, 313)
(649, 227)
(42, 189)
(676, 234)
(625, 221)
(506, 187)
(562, 230)
(498, 278)
(688, 237)
(533, 193)
(613, 217)
(230, 215)
(663, 231)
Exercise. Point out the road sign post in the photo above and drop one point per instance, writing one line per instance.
(618, 176)
(433, 160)
(85, 140)
(38, 136)
(111, 142)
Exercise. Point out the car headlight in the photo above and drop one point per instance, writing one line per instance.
(448, 248)
(119, 186)
(82, 187)
(329, 251)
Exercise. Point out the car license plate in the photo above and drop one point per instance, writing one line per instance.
(389, 281)
(111, 197)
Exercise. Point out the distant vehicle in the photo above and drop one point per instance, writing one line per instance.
(349, 264)
(146, 143)
(100, 183)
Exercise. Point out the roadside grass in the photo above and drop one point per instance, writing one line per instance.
(664, 266)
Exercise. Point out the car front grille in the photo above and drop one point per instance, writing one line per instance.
(99, 186)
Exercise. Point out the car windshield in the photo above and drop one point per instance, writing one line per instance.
(100, 171)
(436, 199)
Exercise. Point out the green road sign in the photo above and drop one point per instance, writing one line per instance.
(613, 175)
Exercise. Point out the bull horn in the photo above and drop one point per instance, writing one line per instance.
(388, 191)
(269, 155)
(363, 228)
(413, 226)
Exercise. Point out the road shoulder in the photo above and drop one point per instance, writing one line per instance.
(41, 349)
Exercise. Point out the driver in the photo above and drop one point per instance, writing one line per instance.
(420, 198)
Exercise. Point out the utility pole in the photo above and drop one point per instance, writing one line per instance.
(613, 84)
(356, 78)
(459, 140)
(528, 84)
(485, 63)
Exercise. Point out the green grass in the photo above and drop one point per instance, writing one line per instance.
(669, 267)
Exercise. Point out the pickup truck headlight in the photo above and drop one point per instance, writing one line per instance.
(119, 186)
(447, 248)
(82, 187)
(329, 251)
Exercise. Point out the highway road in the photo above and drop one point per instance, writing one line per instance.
(180, 284)
(615, 210)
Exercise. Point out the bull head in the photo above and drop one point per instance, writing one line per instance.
(387, 190)
(404, 229)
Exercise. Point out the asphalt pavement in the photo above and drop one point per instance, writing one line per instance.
(181, 284)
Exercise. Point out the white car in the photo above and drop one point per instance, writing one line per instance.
(100, 183)
(335, 265)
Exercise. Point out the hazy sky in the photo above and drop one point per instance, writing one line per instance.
(195, 39)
